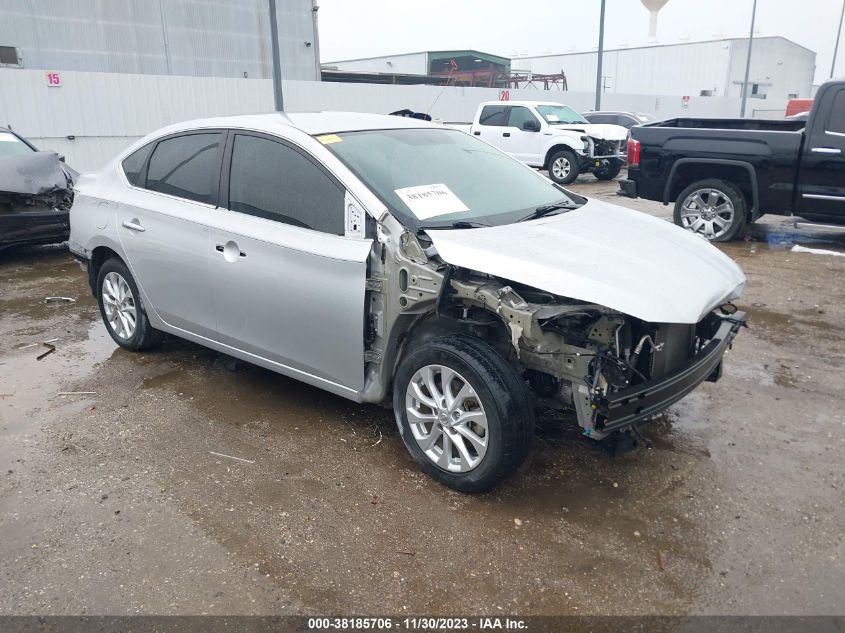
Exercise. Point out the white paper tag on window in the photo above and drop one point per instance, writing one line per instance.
(7, 138)
(428, 201)
(552, 118)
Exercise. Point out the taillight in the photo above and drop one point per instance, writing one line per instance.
(633, 152)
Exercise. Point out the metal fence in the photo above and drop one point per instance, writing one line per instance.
(89, 117)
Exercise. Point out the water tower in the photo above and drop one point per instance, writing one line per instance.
(653, 7)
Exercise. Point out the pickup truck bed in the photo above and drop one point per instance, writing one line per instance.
(722, 173)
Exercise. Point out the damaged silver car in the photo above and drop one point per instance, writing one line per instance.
(395, 261)
(36, 193)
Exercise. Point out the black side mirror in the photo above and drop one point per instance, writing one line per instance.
(531, 125)
(61, 158)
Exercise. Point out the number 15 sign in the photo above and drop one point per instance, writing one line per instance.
(54, 79)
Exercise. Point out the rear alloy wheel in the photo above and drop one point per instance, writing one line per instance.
(121, 308)
(564, 167)
(463, 411)
(714, 209)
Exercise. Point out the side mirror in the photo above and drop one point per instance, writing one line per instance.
(61, 158)
(531, 125)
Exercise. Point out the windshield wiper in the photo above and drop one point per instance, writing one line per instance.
(539, 212)
(459, 224)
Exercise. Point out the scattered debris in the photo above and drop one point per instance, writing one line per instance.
(380, 438)
(50, 350)
(816, 251)
(52, 340)
(517, 522)
(407, 552)
(53, 300)
(240, 459)
(637, 533)
(661, 561)
(76, 393)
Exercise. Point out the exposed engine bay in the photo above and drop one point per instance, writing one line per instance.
(608, 368)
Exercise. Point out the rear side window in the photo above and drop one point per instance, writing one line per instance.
(494, 115)
(133, 164)
(837, 114)
(271, 180)
(185, 166)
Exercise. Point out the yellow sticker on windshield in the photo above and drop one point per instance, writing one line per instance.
(328, 139)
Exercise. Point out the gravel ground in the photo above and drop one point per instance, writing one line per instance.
(128, 499)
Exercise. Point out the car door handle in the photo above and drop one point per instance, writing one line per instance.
(477, 133)
(506, 133)
(826, 150)
(220, 248)
(134, 225)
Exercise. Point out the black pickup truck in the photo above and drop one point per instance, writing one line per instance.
(723, 173)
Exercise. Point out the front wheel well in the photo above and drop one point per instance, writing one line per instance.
(556, 148)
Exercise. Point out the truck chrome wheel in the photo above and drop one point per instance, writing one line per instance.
(708, 212)
(446, 418)
(561, 168)
(119, 305)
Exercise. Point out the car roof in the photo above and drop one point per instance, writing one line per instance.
(523, 103)
(312, 123)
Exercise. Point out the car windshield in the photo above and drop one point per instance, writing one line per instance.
(11, 145)
(436, 177)
(560, 115)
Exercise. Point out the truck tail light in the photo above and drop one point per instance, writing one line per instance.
(633, 152)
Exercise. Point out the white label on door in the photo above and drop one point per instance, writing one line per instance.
(428, 201)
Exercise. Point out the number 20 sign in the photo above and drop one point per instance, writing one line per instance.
(54, 80)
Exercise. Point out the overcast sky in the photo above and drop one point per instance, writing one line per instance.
(365, 28)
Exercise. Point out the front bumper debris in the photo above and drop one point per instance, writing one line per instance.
(634, 404)
(627, 188)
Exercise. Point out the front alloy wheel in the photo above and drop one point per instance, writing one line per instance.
(446, 418)
(463, 410)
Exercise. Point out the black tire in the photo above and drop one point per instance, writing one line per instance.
(569, 157)
(610, 171)
(724, 189)
(499, 389)
(144, 335)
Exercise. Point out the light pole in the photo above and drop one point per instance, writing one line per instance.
(748, 61)
(838, 33)
(277, 64)
(601, 52)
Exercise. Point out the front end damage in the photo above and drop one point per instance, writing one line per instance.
(608, 369)
(36, 193)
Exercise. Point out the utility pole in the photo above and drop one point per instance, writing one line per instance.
(748, 61)
(601, 52)
(277, 64)
(838, 33)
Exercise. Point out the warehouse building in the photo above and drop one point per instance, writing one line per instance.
(201, 38)
(458, 67)
(780, 69)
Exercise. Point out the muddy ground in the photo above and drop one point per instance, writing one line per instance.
(114, 501)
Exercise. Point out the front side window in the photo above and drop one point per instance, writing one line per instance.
(433, 177)
(11, 145)
(519, 115)
(272, 180)
(185, 166)
(560, 115)
(133, 164)
(494, 115)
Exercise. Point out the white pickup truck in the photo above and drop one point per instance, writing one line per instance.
(551, 136)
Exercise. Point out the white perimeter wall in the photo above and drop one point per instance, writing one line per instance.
(105, 112)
